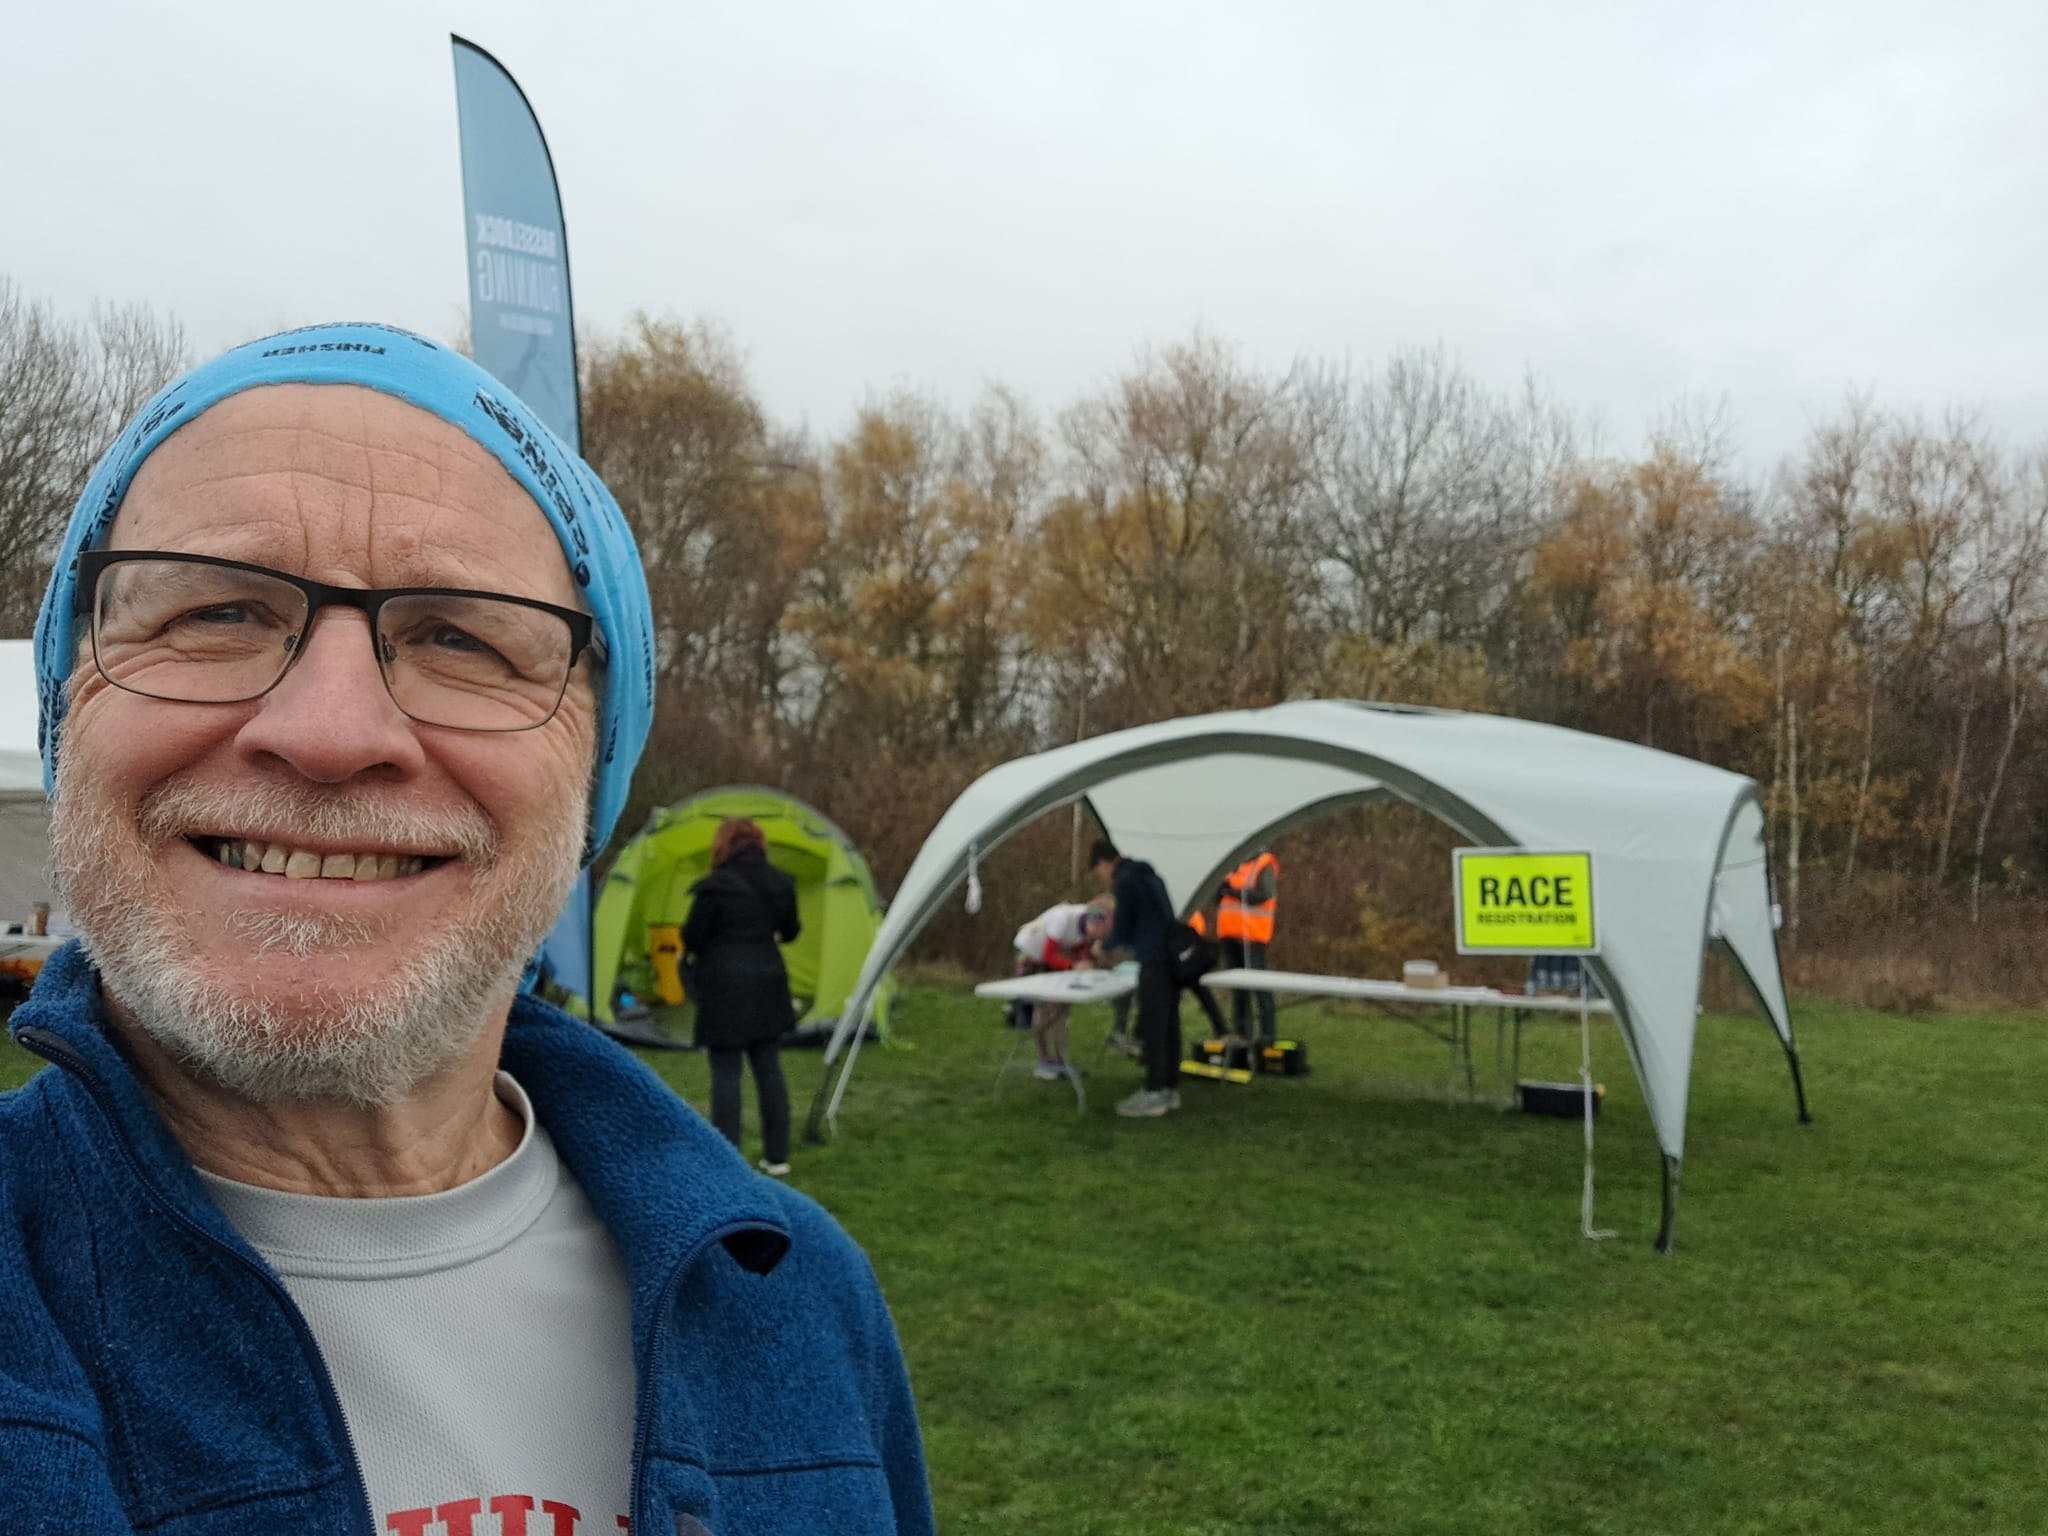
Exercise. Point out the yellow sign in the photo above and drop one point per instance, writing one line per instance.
(1512, 901)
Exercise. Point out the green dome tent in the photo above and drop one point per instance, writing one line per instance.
(649, 885)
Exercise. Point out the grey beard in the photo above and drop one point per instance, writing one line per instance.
(371, 1046)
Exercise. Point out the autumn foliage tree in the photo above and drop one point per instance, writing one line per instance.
(1174, 571)
(1639, 581)
(913, 609)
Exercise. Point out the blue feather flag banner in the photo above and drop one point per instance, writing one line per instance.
(522, 321)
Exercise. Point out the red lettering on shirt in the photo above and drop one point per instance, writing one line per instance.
(511, 1510)
(466, 1517)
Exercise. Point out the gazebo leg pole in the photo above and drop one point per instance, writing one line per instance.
(1671, 1170)
(1798, 1086)
(814, 1125)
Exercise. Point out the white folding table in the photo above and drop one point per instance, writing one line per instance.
(1072, 988)
(28, 946)
(1387, 996)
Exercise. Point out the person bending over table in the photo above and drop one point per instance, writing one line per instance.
(1061, 938)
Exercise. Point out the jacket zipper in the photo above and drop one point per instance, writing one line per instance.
(665, 1303)
(56, 1049)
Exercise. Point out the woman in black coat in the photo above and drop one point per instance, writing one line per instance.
(738, 914)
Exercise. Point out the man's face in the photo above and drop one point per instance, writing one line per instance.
(322, 987)
(1105, 872)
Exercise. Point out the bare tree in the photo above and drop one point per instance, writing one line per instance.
(65, 390)
(1939, 490)
(2017, 582)
(1849, 567)
(1427, 493)
(47, 420)
(136, 353)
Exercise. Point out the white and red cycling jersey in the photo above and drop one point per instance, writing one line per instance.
(1056, 939)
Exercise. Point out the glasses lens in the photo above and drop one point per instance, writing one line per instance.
(477, 663)
(204, 634)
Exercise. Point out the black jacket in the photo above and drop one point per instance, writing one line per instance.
(1144, 912)
(738, 912)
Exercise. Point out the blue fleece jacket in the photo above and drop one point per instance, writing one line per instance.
(155, 1377)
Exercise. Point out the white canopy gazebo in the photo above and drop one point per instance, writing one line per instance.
(1678, 847)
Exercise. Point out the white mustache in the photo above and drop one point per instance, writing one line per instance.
(178, 809)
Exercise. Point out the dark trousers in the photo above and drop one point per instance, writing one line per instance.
(1208, 1001)
(1159, 1026)
(1122, 1009)
(1249, 954)
(766, 1059)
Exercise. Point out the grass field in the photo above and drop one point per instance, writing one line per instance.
(1336, 1304)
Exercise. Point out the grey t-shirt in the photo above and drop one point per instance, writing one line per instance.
(480, 1340)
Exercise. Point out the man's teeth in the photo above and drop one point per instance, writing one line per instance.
(299, 864)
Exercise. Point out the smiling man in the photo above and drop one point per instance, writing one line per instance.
(319, 1225)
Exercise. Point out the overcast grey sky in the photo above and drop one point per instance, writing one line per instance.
(1637, 201)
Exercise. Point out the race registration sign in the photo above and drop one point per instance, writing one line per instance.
(1521, 902)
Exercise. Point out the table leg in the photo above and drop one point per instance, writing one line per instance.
(1017, 1039)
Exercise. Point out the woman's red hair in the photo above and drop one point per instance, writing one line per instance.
(736, 836)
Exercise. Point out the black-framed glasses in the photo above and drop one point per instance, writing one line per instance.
(195, 629)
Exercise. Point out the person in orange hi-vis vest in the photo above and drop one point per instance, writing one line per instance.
(1245, 904)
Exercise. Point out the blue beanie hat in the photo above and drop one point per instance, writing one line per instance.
(594, 535)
